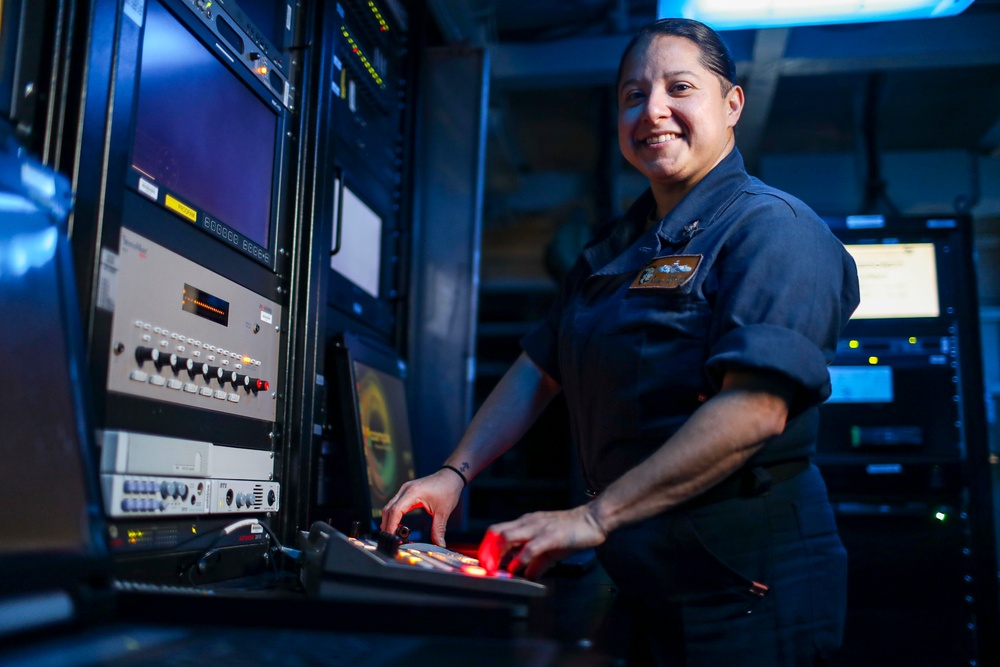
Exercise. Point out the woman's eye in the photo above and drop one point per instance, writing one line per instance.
(680, 88)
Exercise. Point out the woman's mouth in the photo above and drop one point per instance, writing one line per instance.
(660, 138)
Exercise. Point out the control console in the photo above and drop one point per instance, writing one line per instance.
(336, 562)
(185, 335)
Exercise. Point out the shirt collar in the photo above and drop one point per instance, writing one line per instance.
(623, 252)
(702, 206)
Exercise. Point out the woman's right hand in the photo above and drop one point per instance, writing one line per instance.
(437, 493)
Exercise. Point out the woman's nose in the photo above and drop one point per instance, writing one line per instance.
(658, 106)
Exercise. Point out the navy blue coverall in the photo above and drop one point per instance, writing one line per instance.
(738, 275)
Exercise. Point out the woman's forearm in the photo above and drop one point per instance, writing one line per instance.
(508, 412)
(718, 439)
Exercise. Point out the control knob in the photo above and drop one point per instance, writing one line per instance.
(193, 368)
(144, 354)
(216, 373)
(177, 363)
(388, 543)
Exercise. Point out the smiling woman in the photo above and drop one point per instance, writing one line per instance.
(691, 341)
(675, 115)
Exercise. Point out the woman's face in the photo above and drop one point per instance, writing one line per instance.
(674, 123)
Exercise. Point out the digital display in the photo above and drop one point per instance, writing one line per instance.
(897, 280)
(388, 451)
(203, 304)
(201, 132)
(359, 258)
(861, 384)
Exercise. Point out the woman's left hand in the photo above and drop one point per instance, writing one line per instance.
(539, 539)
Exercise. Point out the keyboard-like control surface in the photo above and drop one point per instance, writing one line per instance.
(409, 565)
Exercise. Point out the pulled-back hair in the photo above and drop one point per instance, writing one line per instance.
(715, 55)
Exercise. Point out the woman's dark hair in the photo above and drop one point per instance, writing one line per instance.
(715, 55)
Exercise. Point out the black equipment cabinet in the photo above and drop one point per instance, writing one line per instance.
(903, 447)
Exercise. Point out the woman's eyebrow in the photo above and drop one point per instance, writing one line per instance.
(664, 75)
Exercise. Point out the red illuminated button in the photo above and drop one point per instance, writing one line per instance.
(258, 385)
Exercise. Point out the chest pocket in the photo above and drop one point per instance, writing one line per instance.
(632, 357)
(673, 326)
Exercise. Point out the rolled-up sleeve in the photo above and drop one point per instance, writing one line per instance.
(784, 292)
(541, 344)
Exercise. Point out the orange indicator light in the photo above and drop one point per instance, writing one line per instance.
(262, 70)
(474, 570)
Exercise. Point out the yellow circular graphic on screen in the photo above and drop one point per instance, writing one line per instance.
(377, 431)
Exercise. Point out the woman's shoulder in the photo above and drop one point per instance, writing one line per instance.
(763, 215)
(763, 206)
(760, 195)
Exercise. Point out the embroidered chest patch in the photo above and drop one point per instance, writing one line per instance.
(670, 272)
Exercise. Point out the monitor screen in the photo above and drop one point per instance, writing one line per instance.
(385, 432)
(897, 280)
(201, 133)
(861, 384)
(358, 256)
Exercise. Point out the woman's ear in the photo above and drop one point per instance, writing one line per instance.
(734, 98)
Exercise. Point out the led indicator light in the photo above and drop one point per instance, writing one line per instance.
(383, 26)
(362, 57)
(873, 360)
(854, 344)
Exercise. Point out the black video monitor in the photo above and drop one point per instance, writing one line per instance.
(894, 387)
(373, 404)
(206, 145)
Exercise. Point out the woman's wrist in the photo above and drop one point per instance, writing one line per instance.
(461, 475)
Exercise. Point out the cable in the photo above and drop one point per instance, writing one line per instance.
(293, 554)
